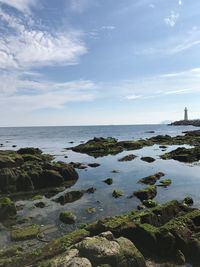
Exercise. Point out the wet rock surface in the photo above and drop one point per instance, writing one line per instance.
(28, 169)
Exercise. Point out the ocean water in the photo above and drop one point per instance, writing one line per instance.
(55, 140)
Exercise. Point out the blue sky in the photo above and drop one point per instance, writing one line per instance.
(88, 62)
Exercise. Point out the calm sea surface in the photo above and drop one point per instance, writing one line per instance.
(54, 140)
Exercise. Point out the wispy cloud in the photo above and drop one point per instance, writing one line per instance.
(185, 82)
(79, 6)
(21, 5)
(26, 45)
(172, 19)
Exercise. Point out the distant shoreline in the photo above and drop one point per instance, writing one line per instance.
(195, 123)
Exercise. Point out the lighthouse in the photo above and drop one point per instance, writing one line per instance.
(185, 114)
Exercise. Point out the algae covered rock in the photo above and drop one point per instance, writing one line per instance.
(67, 217)
(117, 193)
(114, 252)
(7, 208)
(128, 158)
(108, 181)
(165, 182)
(69, 197)
(188, 201)
(146, 193)
(25, 233)
(183, 154)
(152, 179)
(149, 203)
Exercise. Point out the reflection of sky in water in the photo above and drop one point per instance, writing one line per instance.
(185, 177)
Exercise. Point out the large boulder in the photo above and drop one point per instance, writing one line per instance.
(10, 159)
(105, 249)
(146, 193)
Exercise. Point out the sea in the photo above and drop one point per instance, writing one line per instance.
(54, 140)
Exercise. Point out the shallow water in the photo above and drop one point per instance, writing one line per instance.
(54, 140)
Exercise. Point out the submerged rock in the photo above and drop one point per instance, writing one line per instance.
(69, 197)
(165, 182)
(188, 201)
(128, 158)
(67, 217)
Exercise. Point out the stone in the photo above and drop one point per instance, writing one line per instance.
(188, 201)
(148, 159)
(152, 179)
(108, 181)
(67, 217)
(117, 193)
(128, 158)
(94, 165)
(69, 197)
(146, 193)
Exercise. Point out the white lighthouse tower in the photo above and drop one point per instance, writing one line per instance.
(185, 114)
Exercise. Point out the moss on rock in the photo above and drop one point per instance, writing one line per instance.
(24, 233)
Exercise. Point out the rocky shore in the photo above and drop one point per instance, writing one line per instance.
(155, 235)
(167, 234)
(195, 123)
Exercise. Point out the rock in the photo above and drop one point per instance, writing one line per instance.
(183, 154)
(24, 182)
(37, 197)
(78, 262)
(91, 190)
(91, 210)
(117, 193)
(149, 203)
(108, 181)
(188, 201)
(52, 178)
(25, 233)
(78, 165)
(115, 171)
(117, 252)
(152, 179)
(163, 147)
(146, 193)
(94, 165)
(30, 150)
(148, 159)
(128, 158)
(9, 159)
(165, 182)
(141, 207)
(150, 132)
(14, 145)
(40, 204)
(7, 208)
(99, 147)
(69, 197)
(67, 217)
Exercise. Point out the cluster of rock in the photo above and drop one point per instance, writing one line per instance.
(187, 122)
(29, 169)
(166, 233)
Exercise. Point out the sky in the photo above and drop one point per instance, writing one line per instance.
(91, 62)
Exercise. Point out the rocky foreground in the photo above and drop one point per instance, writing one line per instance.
(158, 235)
(168, 234)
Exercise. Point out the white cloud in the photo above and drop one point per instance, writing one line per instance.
(185, 82)
(21, 5)
(172, 19)
(27, 46)
(180, 2)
